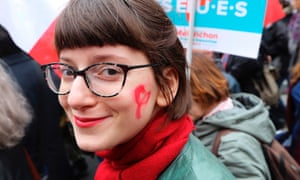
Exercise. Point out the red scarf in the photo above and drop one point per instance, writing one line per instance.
(149, 153)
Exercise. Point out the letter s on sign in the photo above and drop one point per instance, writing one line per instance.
(241, 9)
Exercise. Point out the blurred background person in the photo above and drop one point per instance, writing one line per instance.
(250, 71)
(43, 138)
(234, 86)
(293, 112)
(294, 32)
(273, 53)
(288, 10)
(213, 109)
(15, 117)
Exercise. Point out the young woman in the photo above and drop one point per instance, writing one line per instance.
(213, 110)
(123, 85)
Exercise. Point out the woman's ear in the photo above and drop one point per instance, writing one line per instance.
(173, 82)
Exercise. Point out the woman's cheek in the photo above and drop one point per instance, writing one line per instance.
(141, 97)
(62, 101)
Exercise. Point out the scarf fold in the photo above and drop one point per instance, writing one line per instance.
(149, 153)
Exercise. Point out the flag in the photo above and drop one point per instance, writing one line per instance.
(43, 50)
(274, 12)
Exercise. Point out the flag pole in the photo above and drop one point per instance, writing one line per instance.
(189, 49)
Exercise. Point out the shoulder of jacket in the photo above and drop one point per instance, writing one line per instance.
(239, 142)
(195, 162)
(239, 138)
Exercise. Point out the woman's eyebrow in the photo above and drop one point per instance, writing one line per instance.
(65, 59)
(108, 57)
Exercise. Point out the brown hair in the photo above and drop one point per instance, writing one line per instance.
(209, 86)
(139, 24)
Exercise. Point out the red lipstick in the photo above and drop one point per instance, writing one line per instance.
(87, 122)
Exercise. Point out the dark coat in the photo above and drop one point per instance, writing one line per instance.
(244, 70)
(293, 119)
(13, 164)
(43, 138)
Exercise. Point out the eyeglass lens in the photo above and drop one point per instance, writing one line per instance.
(101, 79)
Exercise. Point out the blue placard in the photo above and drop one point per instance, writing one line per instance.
(229, 26)
(238, 15)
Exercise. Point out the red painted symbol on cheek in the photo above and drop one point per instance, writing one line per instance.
(141, 98)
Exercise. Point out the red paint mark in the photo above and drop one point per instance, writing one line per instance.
(187, 12)
(141, 98)
(203, 2)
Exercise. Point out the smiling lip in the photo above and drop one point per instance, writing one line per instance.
(87, 122)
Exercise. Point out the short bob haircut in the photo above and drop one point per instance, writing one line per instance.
(209, 86)
(139, 24)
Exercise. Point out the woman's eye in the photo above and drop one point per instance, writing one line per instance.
(110, 72)
(67, 72)
(107, 73)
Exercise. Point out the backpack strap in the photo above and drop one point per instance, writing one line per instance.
(217, 140)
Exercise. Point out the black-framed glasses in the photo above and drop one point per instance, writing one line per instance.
(103, 79)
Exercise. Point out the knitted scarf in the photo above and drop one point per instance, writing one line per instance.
(149, 153)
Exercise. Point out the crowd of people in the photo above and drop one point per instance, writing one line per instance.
(121, 92)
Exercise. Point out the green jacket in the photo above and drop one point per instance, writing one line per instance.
(196, 162)
(240, 150)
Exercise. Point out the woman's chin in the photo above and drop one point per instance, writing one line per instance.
(89, 147)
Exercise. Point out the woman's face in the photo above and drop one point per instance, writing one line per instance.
(102, 123)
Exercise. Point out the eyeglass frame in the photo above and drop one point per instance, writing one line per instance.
(125, 68)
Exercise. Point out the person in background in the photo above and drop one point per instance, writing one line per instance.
(15, 117)
(249, 70)
(293, 112)
(288, 10)
(214, 109)
(43, 138)
(124, 88)
(294, 33)
(234, 86)
(275, 44)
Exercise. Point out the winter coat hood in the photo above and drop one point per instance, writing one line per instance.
(248, 115)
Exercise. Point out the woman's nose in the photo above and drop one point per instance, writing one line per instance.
(80, 95)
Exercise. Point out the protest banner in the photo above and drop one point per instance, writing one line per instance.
(232, 27)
